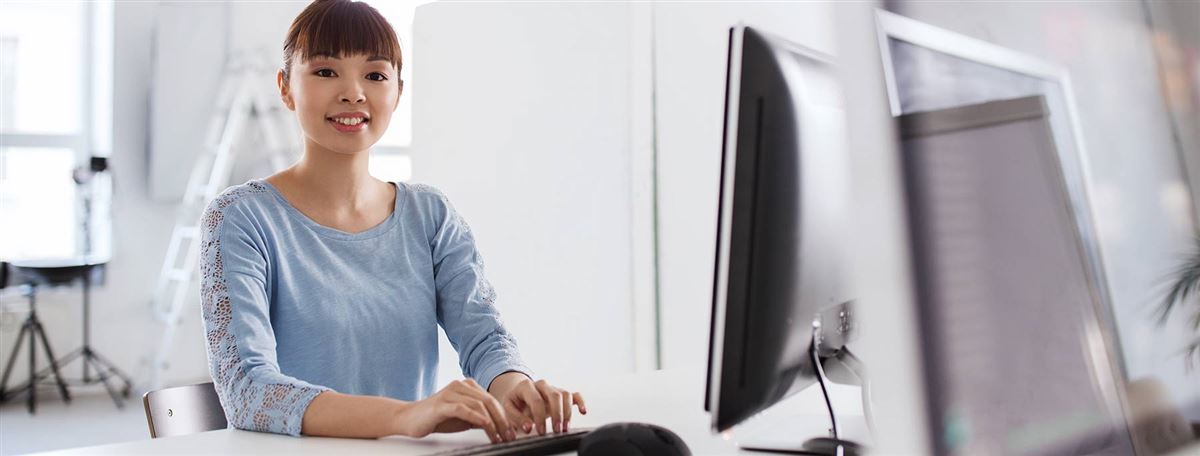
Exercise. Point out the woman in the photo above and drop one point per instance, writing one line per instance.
(322, 286)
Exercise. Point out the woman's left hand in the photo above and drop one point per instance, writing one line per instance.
(536, 401)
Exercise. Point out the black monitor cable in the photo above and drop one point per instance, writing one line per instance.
(821, 378)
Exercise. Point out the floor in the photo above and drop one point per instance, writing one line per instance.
(91, 418)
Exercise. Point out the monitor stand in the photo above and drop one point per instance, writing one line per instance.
(845, 369)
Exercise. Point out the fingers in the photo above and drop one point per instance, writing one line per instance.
(537, 406)
(566, 409)
(519, 419)
(465, 412)
(470, 392)
(494, 408)
(578, 399)
(553, 398)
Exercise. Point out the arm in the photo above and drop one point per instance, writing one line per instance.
(487, 352)
(334, 414)
(254, 394)
(466, 302)
(505, 382)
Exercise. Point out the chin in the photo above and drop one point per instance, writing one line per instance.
(343, 148)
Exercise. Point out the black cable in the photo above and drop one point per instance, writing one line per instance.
(821, 381)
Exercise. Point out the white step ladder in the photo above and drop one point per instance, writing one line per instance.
(247, 98)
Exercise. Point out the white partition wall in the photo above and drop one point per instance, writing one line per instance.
(521, 117)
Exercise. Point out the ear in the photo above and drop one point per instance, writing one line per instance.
(285, 92)
(399, 91)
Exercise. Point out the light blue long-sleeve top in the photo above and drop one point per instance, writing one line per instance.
(293, 308)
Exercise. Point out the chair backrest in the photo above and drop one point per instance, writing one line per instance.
(183, 410)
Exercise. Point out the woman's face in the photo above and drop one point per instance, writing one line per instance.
(344, 104)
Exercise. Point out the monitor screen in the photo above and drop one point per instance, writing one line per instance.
(1015, 357)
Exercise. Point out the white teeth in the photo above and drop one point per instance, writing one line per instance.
(349, 120)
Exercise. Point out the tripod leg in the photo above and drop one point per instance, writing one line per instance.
(103, 376)
(64, 361)
(87, 281)
(112, 369)
(4, 392)
(32, 363)
(62, 386)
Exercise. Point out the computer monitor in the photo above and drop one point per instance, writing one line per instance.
(1016, 360)
(780, 253)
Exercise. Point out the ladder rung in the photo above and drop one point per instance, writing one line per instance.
(189, 232)
(180, 274)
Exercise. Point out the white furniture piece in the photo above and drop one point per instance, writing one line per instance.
(670, 398)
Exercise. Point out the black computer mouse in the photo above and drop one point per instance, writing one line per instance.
(632, 439)
(828, 446)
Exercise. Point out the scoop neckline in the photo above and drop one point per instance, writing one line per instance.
(334, 233)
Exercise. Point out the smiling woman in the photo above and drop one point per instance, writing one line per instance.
(323, 287)
(345, 51)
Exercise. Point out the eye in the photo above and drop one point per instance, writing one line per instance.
(321, 73)
(382, 77)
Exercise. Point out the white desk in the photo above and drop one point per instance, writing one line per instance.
(672, 398)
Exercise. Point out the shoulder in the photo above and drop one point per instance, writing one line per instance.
(231, 204)
(433, 208)
(421, 190)
(427, 199)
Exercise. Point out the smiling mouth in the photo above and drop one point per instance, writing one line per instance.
(348, 121)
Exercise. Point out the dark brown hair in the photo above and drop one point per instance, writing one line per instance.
(338, 28)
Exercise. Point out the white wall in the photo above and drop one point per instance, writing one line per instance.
(523, 121)
(1139, 194)
(191, 42)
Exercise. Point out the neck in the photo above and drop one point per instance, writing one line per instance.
(334, 179)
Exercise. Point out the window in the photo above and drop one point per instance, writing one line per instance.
(48, 105)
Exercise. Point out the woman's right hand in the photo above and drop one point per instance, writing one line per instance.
(460, 406)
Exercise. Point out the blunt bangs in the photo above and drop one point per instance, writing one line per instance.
(339, 28)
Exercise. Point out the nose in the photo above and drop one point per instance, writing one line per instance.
(353, 94)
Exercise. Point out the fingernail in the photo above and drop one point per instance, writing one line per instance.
(527, 426)
(566, 425)
(512, 435)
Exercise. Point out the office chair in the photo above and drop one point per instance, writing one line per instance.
(183, 410)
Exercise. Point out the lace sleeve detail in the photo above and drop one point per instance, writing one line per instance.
(254, 394)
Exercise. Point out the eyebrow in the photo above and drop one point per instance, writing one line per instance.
(372, 59)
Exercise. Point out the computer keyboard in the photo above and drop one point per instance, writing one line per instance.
(536, 445)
